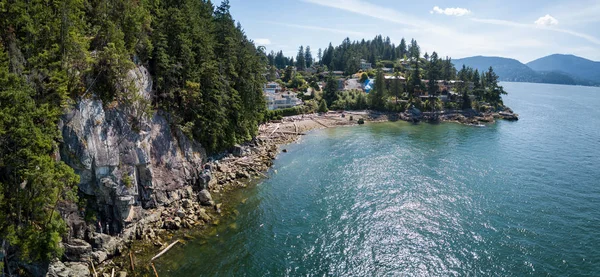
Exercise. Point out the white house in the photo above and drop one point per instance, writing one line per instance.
(282, 100)
(364, 65)
(272, 87)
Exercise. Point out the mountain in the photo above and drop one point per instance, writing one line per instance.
(507, 69)
(579, 68)
(514, 71)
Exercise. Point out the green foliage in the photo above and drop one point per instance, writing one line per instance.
(32, 182)
(206, 73)
(379, 94)
(301, 59)
(330, 90)
(350, 100)
(323, 107)
(127, 181)
(363, 78)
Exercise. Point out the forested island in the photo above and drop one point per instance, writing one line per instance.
(110, 112)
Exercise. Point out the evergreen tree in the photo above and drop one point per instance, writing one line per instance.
(322, 106)
(493, 91)
(32, 182)
(433, 74)
(308, 57)
(320, 56)
(397, 86)
(330, 90)
(378, 94)
(301, 60)
(414, 81)
(402, 49)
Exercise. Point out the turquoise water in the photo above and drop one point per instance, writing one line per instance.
(395, 199)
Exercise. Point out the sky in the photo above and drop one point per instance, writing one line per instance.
(520, 29)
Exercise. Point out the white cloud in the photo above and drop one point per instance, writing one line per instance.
(262, 41)
(546, 20)
(450, 11)
(507, 23)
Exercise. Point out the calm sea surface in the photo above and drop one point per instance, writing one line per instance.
(395, 199)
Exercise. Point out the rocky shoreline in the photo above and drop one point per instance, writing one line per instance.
(193, 207)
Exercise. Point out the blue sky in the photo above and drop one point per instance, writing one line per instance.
(524, 30)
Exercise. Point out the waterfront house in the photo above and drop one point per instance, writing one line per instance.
(282, 100)
(272, 87)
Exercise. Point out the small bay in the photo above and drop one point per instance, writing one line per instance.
(396, 199)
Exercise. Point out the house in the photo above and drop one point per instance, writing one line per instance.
(311, 70)
(364, 65)
(283, 100)
(391, 80)
(272, 87)
(387, 70)
(338, 73)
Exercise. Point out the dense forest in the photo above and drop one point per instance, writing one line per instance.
(421, 72)
(346, 56)
(208, 76)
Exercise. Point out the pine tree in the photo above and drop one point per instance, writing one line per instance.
(330, 90)
(301, 60)
(378, 94)
(320, 57)
(433, 74)
(308, 57)
(402, 49)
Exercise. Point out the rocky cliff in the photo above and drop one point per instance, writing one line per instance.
(128, 161)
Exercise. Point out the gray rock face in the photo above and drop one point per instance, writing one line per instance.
(77, 249)
(128, 161)
(107, 244)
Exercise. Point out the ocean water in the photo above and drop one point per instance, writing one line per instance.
(396, 199)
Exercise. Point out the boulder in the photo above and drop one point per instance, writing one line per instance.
(237, 150)
(69, 269)
(186, 203)
(99, 256)
(180, 213)
(204, 197)
(106, 243)
(77, 249)
(122, 274)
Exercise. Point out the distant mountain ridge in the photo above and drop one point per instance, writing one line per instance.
(577, 67)
(553, 69)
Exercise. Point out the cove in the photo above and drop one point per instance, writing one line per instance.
(510, 199)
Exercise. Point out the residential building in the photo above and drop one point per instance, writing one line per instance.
(283, 100)
(272, 87)
(364, 65)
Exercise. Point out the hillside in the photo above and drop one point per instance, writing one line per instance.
(508, 69)
(514, 71)
(579, 68)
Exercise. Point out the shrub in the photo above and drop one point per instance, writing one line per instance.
(361, 121)
(127, 181)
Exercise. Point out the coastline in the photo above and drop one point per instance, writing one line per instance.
(196, 209)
